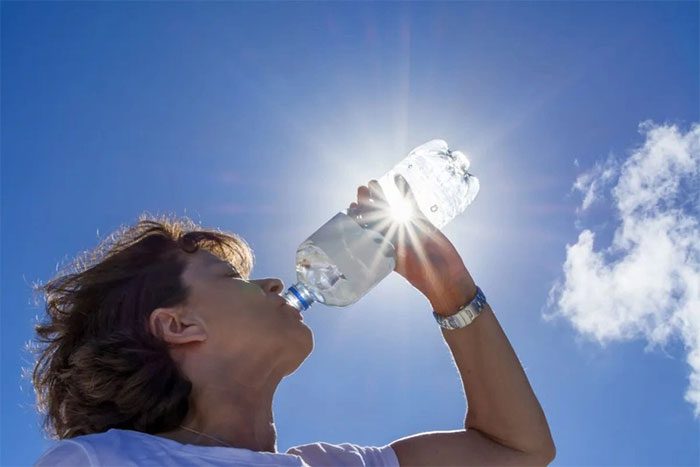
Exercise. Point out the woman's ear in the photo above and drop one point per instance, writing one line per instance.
(171, 325)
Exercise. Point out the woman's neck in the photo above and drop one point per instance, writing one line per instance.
(229, 417)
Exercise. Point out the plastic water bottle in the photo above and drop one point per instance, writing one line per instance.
(342, 261)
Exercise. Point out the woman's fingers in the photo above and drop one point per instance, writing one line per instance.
(369, 210)
(363, 195)
(407, 193)
(372, 210)
(376, 192)
(419, 218)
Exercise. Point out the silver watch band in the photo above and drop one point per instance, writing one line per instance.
(465, 315)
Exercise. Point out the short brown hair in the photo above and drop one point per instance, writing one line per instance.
(98, 365)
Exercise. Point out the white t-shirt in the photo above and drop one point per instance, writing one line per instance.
(132, 448)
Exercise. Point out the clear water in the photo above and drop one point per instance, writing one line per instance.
(341, 261)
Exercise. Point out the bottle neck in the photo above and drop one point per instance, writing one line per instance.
(299, 296)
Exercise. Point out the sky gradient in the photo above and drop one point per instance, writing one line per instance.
(263, 118)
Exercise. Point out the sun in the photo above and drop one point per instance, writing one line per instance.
(401, 211)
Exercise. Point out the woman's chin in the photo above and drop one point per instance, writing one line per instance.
(303, 348)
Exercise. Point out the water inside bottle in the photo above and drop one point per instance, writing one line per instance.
(342, 261)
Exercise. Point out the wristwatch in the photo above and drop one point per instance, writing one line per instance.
(465, 315)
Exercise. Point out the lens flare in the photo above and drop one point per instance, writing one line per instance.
(401, 211)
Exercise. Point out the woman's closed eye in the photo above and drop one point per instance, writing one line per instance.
(232, 273)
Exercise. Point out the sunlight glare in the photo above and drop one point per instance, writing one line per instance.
(400, 208)
(401, 211)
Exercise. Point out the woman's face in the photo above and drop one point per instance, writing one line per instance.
(244, 320)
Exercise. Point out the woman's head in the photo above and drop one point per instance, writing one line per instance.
(126, 322)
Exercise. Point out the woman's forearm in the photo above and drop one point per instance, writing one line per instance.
(501, 404)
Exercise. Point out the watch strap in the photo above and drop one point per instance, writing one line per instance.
(465, 315)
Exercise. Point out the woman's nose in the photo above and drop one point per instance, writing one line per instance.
(274, 286)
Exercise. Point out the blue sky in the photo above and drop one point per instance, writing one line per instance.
(263, 119)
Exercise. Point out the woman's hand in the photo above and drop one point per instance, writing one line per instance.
(424, 256)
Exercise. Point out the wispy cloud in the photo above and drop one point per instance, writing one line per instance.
(646, 284)
(593, 181)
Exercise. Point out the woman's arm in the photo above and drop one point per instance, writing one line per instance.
(500, 402)
(505, 423)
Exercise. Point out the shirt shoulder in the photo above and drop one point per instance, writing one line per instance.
(67, 453)
(345, 454)
(127, 448)
(109, 448)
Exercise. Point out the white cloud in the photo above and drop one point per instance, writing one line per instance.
(646, 284)
(594, 180)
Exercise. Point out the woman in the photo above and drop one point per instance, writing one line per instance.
(158, 349)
